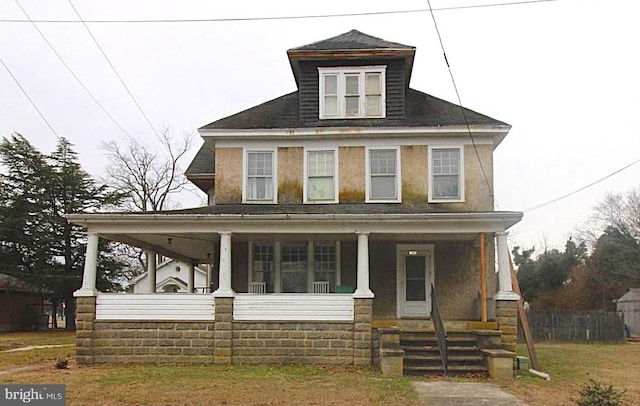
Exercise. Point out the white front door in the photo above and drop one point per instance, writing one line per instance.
(414, 279)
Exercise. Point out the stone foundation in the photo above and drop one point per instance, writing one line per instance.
(507, 318)
(224, 341)
(147, 342)
(85, 316)
(293, 343)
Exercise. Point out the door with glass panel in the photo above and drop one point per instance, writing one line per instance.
(414, 279)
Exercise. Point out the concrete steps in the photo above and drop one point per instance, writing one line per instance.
(422, 354)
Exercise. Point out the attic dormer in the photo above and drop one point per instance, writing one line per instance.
(353, 79)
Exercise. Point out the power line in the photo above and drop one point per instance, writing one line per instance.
(29, 98)
(114, 70)
(462, 109)
(71, 71)
(538, 206)
(276, 18)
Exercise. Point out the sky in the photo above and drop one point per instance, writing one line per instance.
(562, 73)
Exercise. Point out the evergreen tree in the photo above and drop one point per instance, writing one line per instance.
(37, 243)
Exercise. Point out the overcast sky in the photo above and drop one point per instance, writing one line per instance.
(565, 74)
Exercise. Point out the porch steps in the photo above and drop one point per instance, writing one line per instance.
(422, 354)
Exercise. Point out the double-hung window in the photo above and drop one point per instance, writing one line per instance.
(383, 175)
(446, 178)
(294, 267)
(259, 177)
(325, 264)
(321, 183)
(352, 92)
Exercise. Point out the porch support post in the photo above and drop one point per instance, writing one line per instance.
(90, 267)
(190, 278)
(224, 283)
(506, 298)
(151, 271)
(362, 290)
(505, 289)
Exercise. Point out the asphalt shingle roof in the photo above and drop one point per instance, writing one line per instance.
(353, 39)
(203, 162)
(422, 110)
(342, 208)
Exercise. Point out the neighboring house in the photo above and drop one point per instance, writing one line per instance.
(172, 277)
(22, 306)
(332, 212)
(629, 306)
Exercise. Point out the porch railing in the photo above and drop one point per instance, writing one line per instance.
(441, 331)
(152, 306)
(293, 306)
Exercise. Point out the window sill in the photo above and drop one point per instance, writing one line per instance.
(349, 117)
(446, 201)
(383, 201)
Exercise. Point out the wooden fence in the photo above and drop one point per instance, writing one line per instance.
(575, 326)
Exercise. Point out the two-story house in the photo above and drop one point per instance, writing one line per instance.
(336, 214)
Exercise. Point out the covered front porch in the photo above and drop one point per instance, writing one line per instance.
(306, 288)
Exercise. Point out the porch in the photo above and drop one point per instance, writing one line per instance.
(274, 283)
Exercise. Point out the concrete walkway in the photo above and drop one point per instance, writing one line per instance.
(458, 394)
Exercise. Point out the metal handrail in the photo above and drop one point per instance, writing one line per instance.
(441, 331)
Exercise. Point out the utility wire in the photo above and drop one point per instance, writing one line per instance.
(538, 206)
(462, 109)
(115, 71)
(71, 71)
(30, 101)
(302, 17)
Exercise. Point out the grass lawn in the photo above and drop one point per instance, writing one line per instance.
(568, 365)
(12, 341)
(571, 365)
(199, 385)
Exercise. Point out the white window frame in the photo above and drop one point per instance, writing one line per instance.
(311, 271)
(367, 159)
(341, 72)
(461, 175)
(306, 175)
(245, 165)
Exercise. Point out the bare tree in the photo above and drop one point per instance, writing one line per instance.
(146, 176)
(618, 210)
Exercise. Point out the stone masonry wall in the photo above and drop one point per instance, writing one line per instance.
(85, 316)
(146, 342)
(224, 341)
(507, 318)
(292, 342)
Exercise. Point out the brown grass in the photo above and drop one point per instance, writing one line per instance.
(220, 385)
(571, 365)
(9, 341)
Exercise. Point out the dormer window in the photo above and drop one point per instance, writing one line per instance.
(352, 92)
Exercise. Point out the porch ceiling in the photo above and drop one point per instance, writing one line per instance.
(191, 237)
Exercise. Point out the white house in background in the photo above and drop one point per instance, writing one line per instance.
(172, 277)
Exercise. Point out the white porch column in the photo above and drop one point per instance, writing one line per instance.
(505, 288)
(190, 278)
(362, 290)
(224, 283)
(90, 267)
(151, 271)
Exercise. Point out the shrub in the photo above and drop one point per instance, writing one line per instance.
(61, 363)
(596, 394)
